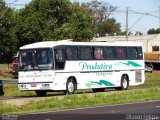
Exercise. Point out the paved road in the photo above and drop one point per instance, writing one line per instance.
(134, 111)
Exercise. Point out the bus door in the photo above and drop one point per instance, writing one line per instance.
(59, 55)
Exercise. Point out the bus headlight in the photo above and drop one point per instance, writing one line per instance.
(22, 86)
(45, 85)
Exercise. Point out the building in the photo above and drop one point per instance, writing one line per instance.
(150, 42)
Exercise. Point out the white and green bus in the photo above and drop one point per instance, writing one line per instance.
(69, 66)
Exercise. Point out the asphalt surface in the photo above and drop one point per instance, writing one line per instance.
(133, 111)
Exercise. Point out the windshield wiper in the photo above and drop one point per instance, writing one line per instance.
(36, 68)
(27, 67)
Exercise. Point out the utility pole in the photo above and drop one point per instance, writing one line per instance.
(127, 23)
(159, 17)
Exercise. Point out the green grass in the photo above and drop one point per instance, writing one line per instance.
(4, 71)
(11, 90)
(151, 80)
(5, 67)
(81, 100)
(148, 91)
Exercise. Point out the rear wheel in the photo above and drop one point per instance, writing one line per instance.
(41, 93)
(124, 83)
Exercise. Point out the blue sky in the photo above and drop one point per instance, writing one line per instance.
(145, 22)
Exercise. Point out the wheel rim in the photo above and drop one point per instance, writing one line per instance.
(124, 83)
(70, 87)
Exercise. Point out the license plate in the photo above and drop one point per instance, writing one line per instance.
(33, 85)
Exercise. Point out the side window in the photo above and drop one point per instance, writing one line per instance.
(71, 53)
(23, 58)
(110, 53)
(59, 59)
(121, 53)
(140, 53)
(132, 53)
(85, 53)
(98, 53)
(59, 55)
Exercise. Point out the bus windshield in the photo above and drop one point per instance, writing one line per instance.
(35, 59)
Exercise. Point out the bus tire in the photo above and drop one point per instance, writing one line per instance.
(41, 93)
(124, 83)
(70, 86)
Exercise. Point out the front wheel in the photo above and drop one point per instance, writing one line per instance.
(70, 87)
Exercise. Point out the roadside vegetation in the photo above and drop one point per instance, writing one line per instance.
(152, 80)
(5, 71)
(53, 20)
(80, 100)
(146, 92)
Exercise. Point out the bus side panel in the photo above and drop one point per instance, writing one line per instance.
(97, 74)
(97, 80)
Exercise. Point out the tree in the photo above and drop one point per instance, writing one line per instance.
(151, 31)
(40, 20)
(157, 30)
(138, 33)
(99, 12)
(53, 20)
(81, 25)
(110, 27)
(7, 31)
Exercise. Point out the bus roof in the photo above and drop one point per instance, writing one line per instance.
(51, 44)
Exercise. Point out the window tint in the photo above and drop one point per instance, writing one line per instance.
(43, 56)
(140, 54)
(59, 59)
(98, 53)
(121, 53)
(85, 53)
(72, 53)
(59, 55)
(109, 53)
(36, 59)
(132, 53)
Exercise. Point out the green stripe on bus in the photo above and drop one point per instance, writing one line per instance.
(100, 83)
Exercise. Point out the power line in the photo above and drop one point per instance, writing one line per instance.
(146, 13)
(140, 13)
(137, 21)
